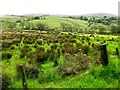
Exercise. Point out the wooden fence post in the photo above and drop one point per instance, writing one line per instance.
(104, 56)
(24, 81)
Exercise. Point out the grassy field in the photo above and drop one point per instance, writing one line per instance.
(84, 79)
(59, 60)
(55, 21)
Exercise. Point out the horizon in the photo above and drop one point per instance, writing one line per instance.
(55, 7)
(40, 14)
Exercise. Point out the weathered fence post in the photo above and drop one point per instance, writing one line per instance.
(104, 56)
(24, 81)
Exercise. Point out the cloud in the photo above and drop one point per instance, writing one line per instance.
(72, 7)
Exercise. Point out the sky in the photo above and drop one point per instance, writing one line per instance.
(63, 7)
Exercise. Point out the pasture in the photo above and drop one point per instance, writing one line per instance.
(59, 58)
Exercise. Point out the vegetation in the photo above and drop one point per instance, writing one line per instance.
(60, 52)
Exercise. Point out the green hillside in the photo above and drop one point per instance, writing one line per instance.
(59, 52)
(55, 21)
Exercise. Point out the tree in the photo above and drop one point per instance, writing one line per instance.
(33, 26)
(113, 18)
(83, 18)
(105, 16)
(106, 21)
(68, 27)
(41, 26)
(9, 25)
(27, 26)
(22, 25)
(36, 17)
(114, 28)
(98, 20)
(101, 28)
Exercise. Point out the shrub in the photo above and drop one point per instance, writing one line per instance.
(12, 47)
(41, 26)
(31, 55)
(69, 48)
(66, 71)
(44, 78)
(96, 47)
(54, 46)
(24, 51)
(40, 49)
(41, 57)
(114, 28)
(32, 71)
(58, 52)
(36, 17)
(107, 73)
(73, 41)
(51, 53)
(6, 44)
(66, 26)
(50, 75)
(6, 55)
(29, 40)
(35, 46)
(55, 63)
(39, 42)
(6, 81)
(73, 64)
(85, 49)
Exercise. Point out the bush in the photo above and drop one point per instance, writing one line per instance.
(6, 55)
(41, 57)
(6, 44)
(53, 55)
(73, 64)
(54, 46)
(12, 47)
(29, 40)
(85, 49)
(6, 81)
(49, 76)
(69, 48)
(24, 51)
(31, 70)
(41, 26)
(36, 17)
(40, 49)
(108, 73)
(66, 71)
(39, 42)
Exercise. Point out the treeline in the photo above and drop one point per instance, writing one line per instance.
(104, 20)
(23, 23)
(102, 25)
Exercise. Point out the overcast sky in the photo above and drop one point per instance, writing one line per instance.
(66, 7)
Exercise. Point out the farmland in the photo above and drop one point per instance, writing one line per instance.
(60, 52)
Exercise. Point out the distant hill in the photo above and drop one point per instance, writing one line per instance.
(100, 15)
(35, 14)
(41, 14)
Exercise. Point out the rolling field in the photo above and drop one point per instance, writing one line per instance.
(61, 59)
(56, 20)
